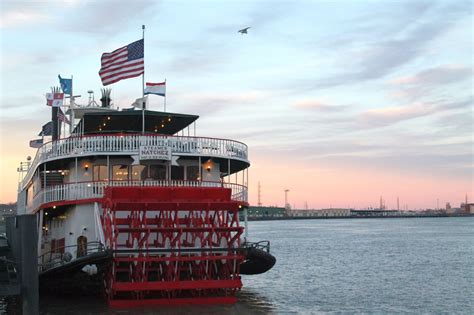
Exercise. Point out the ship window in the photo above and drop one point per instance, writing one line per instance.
(100, 173)
(192, 172)
(120, 172)
(177, 172)
(157, 172)
(139, 172)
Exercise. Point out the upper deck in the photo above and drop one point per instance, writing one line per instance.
(130, 144)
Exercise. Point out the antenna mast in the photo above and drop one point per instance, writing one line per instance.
(259, 196)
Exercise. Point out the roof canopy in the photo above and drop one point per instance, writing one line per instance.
(130, 121)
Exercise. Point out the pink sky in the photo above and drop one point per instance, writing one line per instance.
(339, 102)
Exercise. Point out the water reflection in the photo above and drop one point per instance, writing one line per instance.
(255, 301)
(249, 302)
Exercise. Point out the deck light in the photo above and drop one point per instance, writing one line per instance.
(208, 168)
(104, 124)
(86, 167)
(162, 125)
(108, 117)
(54, 207)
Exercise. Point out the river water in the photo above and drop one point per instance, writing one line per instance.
(402, 265)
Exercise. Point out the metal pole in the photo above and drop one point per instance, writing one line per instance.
(143, 81)
(44, 183)
(247, 186)
(246, 224)
(200, 170)
(165, 95)
(75, 180)
(71, 108)
(27, 227)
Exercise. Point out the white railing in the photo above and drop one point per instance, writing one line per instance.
(131, 143)
(93, 190)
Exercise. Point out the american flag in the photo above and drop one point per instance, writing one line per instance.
(123, 63)
(62, 117)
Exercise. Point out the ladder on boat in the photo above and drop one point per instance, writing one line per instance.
(171, 245)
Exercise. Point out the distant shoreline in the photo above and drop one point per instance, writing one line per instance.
(357, 217)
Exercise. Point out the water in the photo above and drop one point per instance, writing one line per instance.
(406, 265)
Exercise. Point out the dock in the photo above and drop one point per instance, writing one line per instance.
(9, 280)
(19, 261)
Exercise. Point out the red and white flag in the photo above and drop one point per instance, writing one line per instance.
(156, 88)
(54, 99)
(123, 63)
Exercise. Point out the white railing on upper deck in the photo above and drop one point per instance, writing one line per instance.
(131, 143)
(93, 190)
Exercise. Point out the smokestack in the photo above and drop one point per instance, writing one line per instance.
(105, 99)
(54, 117)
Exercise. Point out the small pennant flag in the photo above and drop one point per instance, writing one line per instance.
(54, 99)
(47, 129)
(66, 85)
(36, 143)
(62, 117)
(156, 88)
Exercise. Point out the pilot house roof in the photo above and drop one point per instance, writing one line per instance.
(130, 121)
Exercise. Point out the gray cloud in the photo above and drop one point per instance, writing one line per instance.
(22, 13)
(429, 81)
(436, 76)
(373, 59)
(106, 17)
(319, 105)
(390, 115)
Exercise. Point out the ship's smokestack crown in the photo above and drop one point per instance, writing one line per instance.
(105, 99)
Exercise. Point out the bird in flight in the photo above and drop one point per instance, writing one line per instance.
(244, 30)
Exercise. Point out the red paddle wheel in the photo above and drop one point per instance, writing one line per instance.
(172, 245)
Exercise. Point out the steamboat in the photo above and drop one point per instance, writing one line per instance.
(133, 205)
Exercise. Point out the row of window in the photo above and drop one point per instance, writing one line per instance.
(123, 172)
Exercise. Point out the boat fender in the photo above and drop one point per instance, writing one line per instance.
(67, 257)
(90, 269)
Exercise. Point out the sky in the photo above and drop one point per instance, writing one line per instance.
(340, 102)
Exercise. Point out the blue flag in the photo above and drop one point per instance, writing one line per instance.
(66, 85)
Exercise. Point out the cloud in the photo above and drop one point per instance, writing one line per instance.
(390, 115)
(386, 116)
(17, 14)
(211, 103)
(106, 17)
(372, 58)
(319, 105)
(435, 76)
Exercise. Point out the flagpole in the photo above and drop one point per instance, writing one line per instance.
(165, 95)
(71, 108)
(143, 81)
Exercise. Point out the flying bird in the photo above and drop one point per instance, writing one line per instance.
(244, 30)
